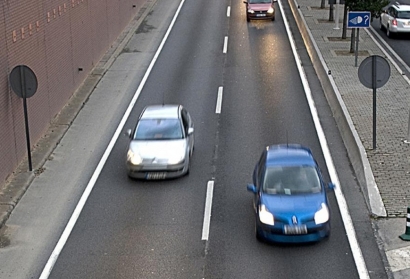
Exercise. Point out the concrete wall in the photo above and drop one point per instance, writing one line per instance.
(55, 38)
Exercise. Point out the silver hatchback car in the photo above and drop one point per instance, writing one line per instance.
(161, 144)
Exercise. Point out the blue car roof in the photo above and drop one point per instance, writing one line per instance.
(288, 155)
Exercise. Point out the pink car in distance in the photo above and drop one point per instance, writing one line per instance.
(260, 9)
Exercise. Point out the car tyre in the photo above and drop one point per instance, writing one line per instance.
(381, 25)
(248, 19)
(273, 18)
(388, 33)
(189, 166)
(258, 234)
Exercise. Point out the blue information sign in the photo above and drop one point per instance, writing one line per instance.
(358, 19)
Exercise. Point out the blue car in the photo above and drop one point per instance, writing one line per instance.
(290, 199)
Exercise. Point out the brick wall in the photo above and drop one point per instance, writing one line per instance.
(55, 38)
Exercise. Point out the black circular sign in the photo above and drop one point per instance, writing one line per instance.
(23, 81)
(377, 65)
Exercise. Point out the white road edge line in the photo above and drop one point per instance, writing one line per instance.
(344, 210)
(219, 100)
(228, 11)
(77, 211)
(225, 49)
(208, 209)
(386, 45)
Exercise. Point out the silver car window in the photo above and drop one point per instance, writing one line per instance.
(158, 129)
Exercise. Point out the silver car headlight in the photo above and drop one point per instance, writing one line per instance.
(322, 215)
(265, 216)
(176, 158)
(271, 10)
(134, 158)
(251, 11)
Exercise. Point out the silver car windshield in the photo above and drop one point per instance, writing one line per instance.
(158, 129)
(291, 180)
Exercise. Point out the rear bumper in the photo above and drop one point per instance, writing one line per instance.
(396, 29)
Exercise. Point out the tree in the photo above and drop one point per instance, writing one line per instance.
(375, 8)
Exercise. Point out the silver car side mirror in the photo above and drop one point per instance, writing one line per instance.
(128, 133)
(190, 131)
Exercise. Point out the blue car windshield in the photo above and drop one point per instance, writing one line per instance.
(291, 180)
(158, 129)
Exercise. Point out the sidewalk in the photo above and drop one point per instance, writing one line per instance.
(383, 173)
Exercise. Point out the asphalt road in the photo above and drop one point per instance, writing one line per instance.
(398, 45)
(137, 229)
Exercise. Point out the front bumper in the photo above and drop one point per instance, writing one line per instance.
(276, 233)
(157, 171)
(260, 15)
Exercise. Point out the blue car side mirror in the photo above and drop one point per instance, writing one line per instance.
(331, 185)
(252, 188)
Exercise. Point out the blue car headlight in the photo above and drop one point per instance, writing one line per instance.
(265, 216)
(322, 215)
(134, 158)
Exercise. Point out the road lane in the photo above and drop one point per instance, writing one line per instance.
(137, 229)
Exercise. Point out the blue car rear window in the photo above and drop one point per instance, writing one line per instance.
(158, 129)
(291, 180)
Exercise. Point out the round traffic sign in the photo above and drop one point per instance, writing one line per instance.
(23, 81)
(374, 71)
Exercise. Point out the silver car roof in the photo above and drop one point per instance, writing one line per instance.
(161, 111)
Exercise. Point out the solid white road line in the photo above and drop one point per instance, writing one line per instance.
(344, 210)
(208, 209)
(228, 11)
(225, 49)
(73, 219)
(387, 46)
(219, 100)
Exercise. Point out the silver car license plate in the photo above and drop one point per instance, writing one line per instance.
(302, 229)
(156, 175)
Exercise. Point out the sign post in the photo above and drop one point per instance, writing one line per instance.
(23, 81)
(373, 73)
(358, 20)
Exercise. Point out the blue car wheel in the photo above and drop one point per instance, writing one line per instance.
(258, 234)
